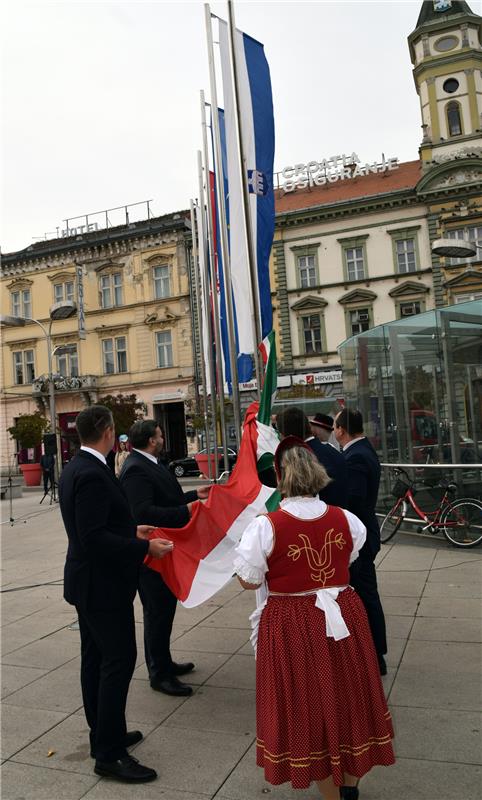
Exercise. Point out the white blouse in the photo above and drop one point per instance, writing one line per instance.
(251, 562)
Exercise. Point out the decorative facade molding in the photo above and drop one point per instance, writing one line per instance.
(358, 296)
(309, 302)
(467, 278)
(408, 288)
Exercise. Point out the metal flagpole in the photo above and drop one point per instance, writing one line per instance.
(214, 291)
(248, 234)
(200, 331)
(223, 231)
(212, 376)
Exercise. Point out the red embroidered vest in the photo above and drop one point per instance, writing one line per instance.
(309, 553)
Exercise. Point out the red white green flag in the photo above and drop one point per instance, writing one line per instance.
(202, 560)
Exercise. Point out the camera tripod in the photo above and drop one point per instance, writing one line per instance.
(50, 491)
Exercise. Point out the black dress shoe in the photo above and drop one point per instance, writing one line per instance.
(182, 669)
(171, 686)
(125, 769)
(382, 665)
(132, 737)
(349, 792)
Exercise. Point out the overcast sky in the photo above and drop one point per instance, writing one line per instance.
(100, 103)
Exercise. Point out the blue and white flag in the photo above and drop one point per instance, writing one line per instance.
(257, 125)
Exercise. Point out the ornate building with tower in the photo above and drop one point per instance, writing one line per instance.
(354, 242)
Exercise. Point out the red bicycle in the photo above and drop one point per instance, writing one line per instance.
(460, 520)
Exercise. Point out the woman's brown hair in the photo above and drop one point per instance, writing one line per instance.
(302, 474)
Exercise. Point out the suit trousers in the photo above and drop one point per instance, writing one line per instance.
(363, 578)
(108, 658)
(159, 606)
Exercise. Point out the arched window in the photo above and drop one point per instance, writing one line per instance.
(453, 119)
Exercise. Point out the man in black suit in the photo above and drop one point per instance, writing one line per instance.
(294, 422)
(363, 482)
(104, 554)
(156, 497)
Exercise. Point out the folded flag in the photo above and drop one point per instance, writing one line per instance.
(202, 560)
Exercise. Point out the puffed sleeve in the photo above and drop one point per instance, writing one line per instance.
(358, 534)
(252, 551)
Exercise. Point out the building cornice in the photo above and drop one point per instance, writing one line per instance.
(370, 204)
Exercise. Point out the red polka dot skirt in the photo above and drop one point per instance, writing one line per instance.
(320, 704)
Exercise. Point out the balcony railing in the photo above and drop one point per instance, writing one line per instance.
(79, 383)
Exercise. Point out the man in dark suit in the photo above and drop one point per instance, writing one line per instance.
(294, 422)
(104, 554)
(156, 497)
(363, 482)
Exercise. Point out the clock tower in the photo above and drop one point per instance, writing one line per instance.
(446, 53)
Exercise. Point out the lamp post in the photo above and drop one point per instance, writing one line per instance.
(454, 248)
(62, 310)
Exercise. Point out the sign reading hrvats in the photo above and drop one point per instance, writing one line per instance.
(333, 169)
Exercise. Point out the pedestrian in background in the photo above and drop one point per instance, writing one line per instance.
(121, 454)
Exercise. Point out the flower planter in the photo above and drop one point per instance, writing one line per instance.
(32, 474)
(202, 462)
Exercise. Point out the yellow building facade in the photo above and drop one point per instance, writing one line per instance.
(132, 333)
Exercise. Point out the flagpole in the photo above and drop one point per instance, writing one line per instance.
(247, 230)
(214, 288)
(200, 332)
(223, 231)
(212, 377)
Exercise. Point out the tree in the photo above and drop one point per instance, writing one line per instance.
(126, 409)
(29, 429)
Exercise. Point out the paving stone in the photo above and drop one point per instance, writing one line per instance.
(69, 741)
(435, 629)
(408, 557)
(31, 628)
(58, 690)
(20, 728)
(246, 782)
(401, 584)
(435, 735)
(449, 590)
(450, 608)
(228, 617)
(113, 790)
(468, 571)
(212, 640)
(444, 675)
(184, 758)
(396, 648)
(150, 707)
(239, 672)
(14, 678)
(23, 782)
(49, 652)
(401, 606)
(398, 627)
(417, 779)
(214, 709)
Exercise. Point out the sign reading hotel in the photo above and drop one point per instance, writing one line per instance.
(331, 170)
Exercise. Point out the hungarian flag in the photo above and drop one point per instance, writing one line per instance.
(202, 560)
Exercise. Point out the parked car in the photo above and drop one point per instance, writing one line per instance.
(188, 465)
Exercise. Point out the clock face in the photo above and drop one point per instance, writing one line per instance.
(442, 5)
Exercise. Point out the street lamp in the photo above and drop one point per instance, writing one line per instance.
(454, 248)
(61, 310)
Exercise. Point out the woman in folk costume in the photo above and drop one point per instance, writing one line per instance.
(320, 706)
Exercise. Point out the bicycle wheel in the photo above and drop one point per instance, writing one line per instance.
(392, 522)
(463, 522)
